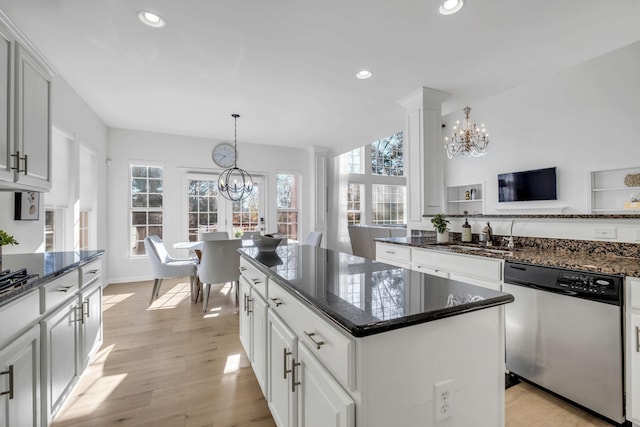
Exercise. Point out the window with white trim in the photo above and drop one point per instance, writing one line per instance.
(146, 206)
(288, 209)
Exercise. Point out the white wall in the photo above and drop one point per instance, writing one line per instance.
(75, 118)
(579, 120)
(178, 155)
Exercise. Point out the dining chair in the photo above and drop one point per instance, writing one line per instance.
(213, 235)
(313, 238)
(164, 266)
(220, 263)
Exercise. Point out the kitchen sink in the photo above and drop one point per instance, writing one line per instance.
(481, 249)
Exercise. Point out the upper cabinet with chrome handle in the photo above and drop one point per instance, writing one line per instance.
(26, 126)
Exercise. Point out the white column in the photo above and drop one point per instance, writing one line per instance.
(319, 160)
(425, 154)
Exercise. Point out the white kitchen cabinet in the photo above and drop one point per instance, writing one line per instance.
(6, 103)
(632, 349)
(91, 323)
(321, 400)
(397, 255)
(253, 321)
(472, 266)
(282, 349)
(20, 381)
(61, 341)
(33, 121)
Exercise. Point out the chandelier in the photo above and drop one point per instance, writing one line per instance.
(234, 183)
(468, 139)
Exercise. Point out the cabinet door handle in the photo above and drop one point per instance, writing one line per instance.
(25, 158)
(80, 309)
(17, 166)
(277, 301)
(249, 301)
(245, 303)
(65, 288)
(390, 252)
(242, 268)
(294, 383)
(310, 335)
(255, 281)
(10, 373)
(85, 311)
(93, 271)
(285, 353)
(637, 339)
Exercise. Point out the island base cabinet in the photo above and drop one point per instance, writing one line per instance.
(20, 381)
(321, 400)
(91, 323)
(61, 343)
(244, 316)
(282, 344)
(253, 330)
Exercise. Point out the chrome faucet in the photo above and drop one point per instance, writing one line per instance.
(510, 244)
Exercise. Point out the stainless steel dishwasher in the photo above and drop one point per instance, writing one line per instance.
(564, 333)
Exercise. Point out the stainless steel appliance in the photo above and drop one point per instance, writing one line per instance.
(564, 333)
(11, 281)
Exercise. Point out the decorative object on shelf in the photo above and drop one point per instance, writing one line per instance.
(468, 139)
(440, 224)
(27, 206)
(486, 235)
(234, 183)
(466, 231)
(632, 180)
(467, 195)
(473, 193)
(6, 239)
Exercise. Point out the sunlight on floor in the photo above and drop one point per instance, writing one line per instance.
(172, 297)
(226, 288)
(89, 401)
(233, 363)
(109, 301)
(214, 312)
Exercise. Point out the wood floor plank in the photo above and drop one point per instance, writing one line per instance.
(171, 365)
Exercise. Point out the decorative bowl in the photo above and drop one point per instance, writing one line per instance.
(266, 243)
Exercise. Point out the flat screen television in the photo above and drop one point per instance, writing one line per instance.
(539, 184)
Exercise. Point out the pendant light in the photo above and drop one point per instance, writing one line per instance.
(235, 184)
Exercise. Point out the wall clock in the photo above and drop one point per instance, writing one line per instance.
(224, 155)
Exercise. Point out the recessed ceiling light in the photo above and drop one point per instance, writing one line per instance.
(364, 74)
(449, 7)
(151, 19)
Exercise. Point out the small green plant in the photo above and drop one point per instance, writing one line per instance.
(238, 232)
(6, 239)
(440, 223)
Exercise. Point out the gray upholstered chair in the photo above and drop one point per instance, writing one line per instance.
(213, 235)
(314, 238)
(220, 263)
(163, 266)
(248, 235)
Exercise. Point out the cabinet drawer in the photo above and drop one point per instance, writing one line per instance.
(335, 350)
(254, 277)
(467, 265)
(393, 254)
(17, 315)
(89, 272)
(58, 290)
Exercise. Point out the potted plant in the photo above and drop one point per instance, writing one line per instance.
(238, 232)
(440, 224)
(5, 239)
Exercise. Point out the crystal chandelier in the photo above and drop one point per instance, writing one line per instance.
(234, 183)
(468, 139)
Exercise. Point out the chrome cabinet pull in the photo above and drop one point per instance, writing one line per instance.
(390, 252)
(79, 308)
(277, 301)
(310, 335)
(17, 167)
(255, 281)
(249, 301)
(294, 383)
(245, 303)
(85, 312)
(242, 268)
(92, 271)
(25, 158)
(10, 373)
(285, 353)
(65, 288)
(637, 339)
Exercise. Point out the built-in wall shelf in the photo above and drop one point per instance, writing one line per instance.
(469, 198)
(609, 192)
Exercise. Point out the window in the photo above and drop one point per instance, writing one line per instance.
(287, 205)
(354, 214)
(83, 230)
(203, 207)
(146, 205)
(388, 204)
(245, 215)
(386, 156)
(375, 195)
(49, 230)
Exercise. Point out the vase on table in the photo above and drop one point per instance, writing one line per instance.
(442, 237)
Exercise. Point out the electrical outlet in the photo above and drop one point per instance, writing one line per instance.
(443, 400)
(605, 233)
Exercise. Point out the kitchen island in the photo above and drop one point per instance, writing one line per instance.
(340, 340)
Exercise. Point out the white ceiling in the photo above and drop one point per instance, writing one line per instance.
(288, 66)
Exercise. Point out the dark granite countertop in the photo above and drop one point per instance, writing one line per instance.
(366, 297)
(47, 266)
(600, 262)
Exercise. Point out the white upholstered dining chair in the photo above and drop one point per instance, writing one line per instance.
(164, 266)
(314, 238)
(213, 235)
(220, 263)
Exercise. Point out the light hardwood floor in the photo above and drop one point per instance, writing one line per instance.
(170, 365)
